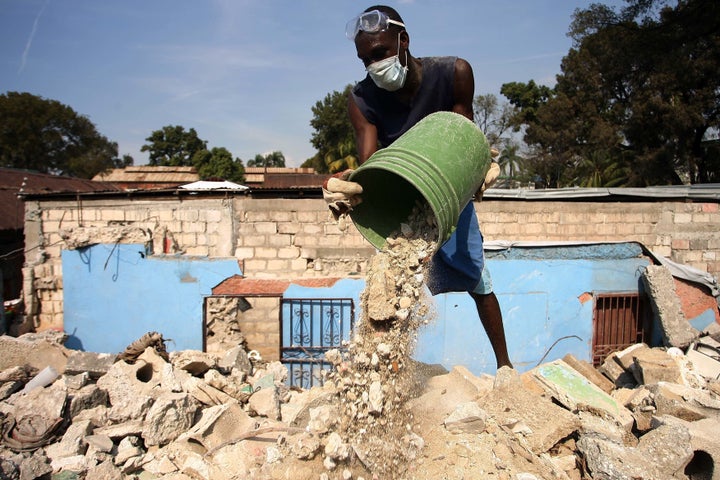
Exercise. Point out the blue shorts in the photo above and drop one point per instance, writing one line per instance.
(459, 265)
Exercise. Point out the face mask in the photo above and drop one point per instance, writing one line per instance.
(389, 74)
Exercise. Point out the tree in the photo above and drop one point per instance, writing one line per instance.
(334, 137)
(639, 90)
(493, 118)
(172, 146)
(50, 137)
(218, 163)
(274, 159)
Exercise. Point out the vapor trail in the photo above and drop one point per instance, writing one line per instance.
(32, 35)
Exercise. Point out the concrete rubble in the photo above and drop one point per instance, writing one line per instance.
(645, 413)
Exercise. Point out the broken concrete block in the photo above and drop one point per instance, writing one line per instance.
(670, 402)
(204, 393)
(219, 424)
(588, 371)
(626, 356)
(8, 388)
(94, 364)
(76, 382)
(194, 362)
(37, 350)
(615, 372)
(510, 406)
(121, 430)
(140, 378)
(236, 359)
(467, 417)
(33, 466)
(609, 460)
(76, 463)
(654, 365)
(660, 286)
(104, 471)
(170, 415)
(72, 442)
(88, 397)
(704, 441)
(128, 448)
(48, 403)
(99, 415)
(483, 383)
(266, 403)
(297, 412)
(705, 357)
(576, 392)
(669, 447)
(100, 443)
(606, 427)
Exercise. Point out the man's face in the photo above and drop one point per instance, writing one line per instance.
(373, 47)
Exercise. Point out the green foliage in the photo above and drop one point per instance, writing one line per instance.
(637, 101)
(47, 136)
(274, 159)
(172, 146)
(527, 99)
(334, 137)
(218, 163)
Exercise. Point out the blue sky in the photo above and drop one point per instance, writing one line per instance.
(246, 73)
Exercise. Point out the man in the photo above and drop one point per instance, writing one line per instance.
(399, 91)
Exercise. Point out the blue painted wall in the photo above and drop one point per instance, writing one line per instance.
(114, 294)
(540, 291)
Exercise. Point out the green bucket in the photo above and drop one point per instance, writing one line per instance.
(442, 159)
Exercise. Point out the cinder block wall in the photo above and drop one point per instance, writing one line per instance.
(278, 238)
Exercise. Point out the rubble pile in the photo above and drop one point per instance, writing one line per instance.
(645, 413)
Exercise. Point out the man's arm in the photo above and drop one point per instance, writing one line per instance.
(463, 88)
(365, 132)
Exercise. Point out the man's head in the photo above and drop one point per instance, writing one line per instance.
(382, 45)
(375, 19)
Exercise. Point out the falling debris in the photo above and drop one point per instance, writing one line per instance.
(376, 378)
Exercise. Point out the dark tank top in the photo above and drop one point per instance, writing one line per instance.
(392, 117)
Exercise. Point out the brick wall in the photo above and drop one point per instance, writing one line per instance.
(279, 238)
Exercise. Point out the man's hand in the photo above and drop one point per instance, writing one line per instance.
(340, 194)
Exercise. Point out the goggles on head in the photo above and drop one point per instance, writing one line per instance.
(370, 22)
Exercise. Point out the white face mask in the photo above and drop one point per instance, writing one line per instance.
(389, 74)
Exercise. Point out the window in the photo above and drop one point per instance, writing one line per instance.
(619, 320)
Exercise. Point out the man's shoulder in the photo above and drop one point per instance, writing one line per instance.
(439, 61)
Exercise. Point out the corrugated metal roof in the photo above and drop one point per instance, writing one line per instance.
(710, 191)
(212, 185)
(15, 181)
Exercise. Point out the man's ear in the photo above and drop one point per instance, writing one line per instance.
(404, 39)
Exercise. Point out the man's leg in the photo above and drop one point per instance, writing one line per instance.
(489, 310)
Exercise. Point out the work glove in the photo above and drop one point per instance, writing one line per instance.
(340, 194)
(491, 176)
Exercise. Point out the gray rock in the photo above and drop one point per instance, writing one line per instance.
(171, 415)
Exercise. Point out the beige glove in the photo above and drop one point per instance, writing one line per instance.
(340, 194)
(491, 176)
